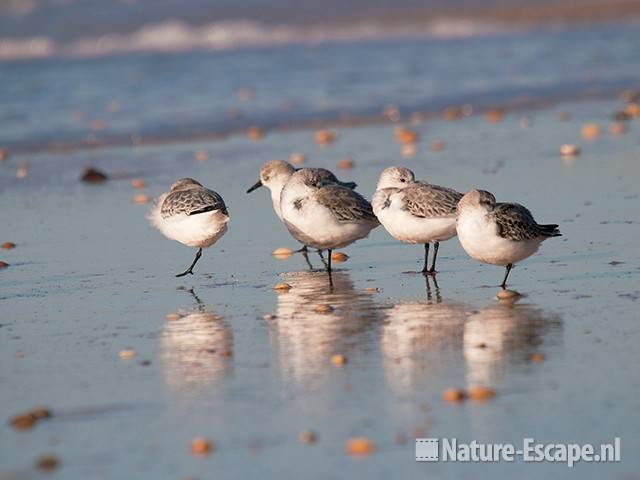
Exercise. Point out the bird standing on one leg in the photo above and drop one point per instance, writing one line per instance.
(415, 212)
(499, 233)
(190, 214)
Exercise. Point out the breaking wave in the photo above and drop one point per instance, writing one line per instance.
(175, 36)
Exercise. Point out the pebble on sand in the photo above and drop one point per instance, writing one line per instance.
(201, 155)
(255, 133)
(126, 354)
(23, 170)
(537, 358)
(308, 437)
(359, 446)
(453, 395)
(323, 308)
(4, 154)
(325, 137)
(201, 446)
(507, 294)
(3, 264)
(26, 420)
(590, 131)
(297, 158)
(452, 114)
(47, 463)
(138, 183)
(372, 289)
(282, 287)
(282, 253)
(173, 316)
(633, 109)
(338, 360)
(494, 115)
(8, 245)
(618, 128)
(93, 175)
(141, 198)
(406, 136)
(339, 257)
(346, 164)
(436, 145)
(569, 150)
(480, 394)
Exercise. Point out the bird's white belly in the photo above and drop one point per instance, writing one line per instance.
(411, 229)
(201, 230)
(320, 227)
(479, 238)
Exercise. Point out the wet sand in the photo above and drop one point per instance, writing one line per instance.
(89, 278)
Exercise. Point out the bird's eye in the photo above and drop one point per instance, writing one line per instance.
(402, 180)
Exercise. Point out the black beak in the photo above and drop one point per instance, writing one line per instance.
(255, 186)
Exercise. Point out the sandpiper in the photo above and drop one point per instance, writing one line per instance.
(276, 173)
(499, 233)
(414, 211)
(190, 214)
(324, 215)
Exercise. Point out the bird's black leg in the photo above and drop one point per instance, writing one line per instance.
(506, 274)
(329, 261)
(190, 269)
(324, 262)
(432, 270)
(425, 269)
(305, 253)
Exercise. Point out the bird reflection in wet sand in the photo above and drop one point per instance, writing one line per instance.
(422, 340)
(314, 321)
(196, 348)
(503, 334)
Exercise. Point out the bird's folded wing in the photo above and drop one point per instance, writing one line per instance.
(192, 202)
(345, 204)
(515, 222)
(430, 201)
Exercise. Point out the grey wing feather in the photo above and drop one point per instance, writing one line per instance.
(192, 202)
(515, 222)
(328, 176)
(345, 204)
(430, 201)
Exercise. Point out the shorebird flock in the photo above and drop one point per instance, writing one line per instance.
(324, 213)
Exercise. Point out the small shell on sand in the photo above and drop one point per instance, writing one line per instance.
(282, 253)
(323, 309)
(569, 150)
(453, 395)
(494, 115)
(23, 170)
(359, 446)
(255, 133)
(339, 257)
(297, 158)
(410, 150)
(4, 154)
(537, 358)
(127, 354)
(201, 446)
(346, 164)
(3, 264)
(141, 198)
(590, 131)
(8, 245)
(372, 289)
(618, 128)
(28, 419)
(507, 294)
(282, 287)
(633, 109)
(138, 183)
(201, 155)
(480, 394)
(47, 463)
(173, 316)
(338, 360)
(406, 136)
(93, 175)
(452, 113)
(269, 317)
(325, 137)
(308, 437)
(436, 145)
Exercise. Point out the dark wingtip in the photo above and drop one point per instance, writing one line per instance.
(351, 185)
